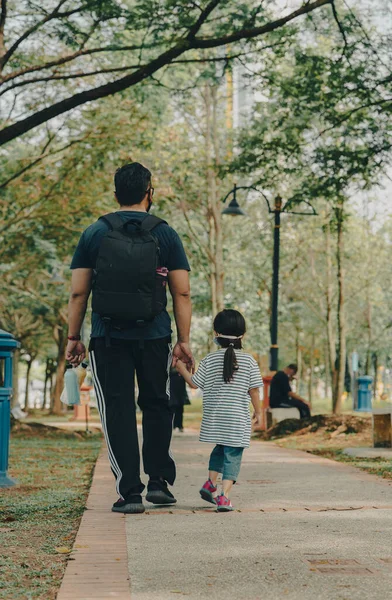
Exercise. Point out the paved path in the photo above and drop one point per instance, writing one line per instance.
(305, 528)
(98, 563)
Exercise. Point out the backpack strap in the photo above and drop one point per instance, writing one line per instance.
(113, 220)
(150, 222)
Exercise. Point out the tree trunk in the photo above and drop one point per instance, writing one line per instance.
(311, 370)
(229, 113)
(299, 363)
(327, 370)
(48, 374)
(214, 303)
(341, 358)
(15, 379)
(51, 394)
(28, 373)
(329, 316)
(210, 186)
(59, 384)
(214, 209)
(369, 330)
(375, 383)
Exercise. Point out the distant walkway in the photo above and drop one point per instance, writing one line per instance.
(305, 528)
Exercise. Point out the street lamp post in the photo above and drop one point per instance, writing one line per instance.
(274, 349)
(234, 209)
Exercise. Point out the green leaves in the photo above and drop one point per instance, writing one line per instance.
(327, 123)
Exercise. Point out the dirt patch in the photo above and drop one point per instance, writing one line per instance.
(40, 430)
(327, 436)
(331, 426)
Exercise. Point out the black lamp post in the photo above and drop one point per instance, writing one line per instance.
(234, 209)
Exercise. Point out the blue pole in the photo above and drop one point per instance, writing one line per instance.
(7, 346)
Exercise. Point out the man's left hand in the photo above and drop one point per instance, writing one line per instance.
(182, 351)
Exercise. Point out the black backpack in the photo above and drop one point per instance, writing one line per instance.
(129, 285)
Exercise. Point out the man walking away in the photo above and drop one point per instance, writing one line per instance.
(126, 258)
(282, 396)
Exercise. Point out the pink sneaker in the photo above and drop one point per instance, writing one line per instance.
(207, 490)
(223, 504)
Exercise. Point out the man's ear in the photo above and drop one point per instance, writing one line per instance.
(115, 197)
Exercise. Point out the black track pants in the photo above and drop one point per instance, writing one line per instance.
(304, 410)
(178, 417)
(113, 371)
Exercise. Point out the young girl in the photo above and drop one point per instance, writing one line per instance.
(227, 377)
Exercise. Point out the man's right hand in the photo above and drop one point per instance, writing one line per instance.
(183, 352)
(75, 352)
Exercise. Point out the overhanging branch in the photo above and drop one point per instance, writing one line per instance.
(27, 124)
(28, 32)
(253, 32)
(69, 58)
(202, 19)
(340, 26)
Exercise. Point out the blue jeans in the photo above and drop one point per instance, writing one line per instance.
(226, 460)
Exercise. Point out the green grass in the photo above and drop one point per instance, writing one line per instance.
(375, 466)
(43, 512)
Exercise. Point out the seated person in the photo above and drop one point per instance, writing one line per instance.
(282, 396)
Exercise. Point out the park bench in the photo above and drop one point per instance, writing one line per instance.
(280, 414)
(274, 415)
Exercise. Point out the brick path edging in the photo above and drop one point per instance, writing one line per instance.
(99, 562)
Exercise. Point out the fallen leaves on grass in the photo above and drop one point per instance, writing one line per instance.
(63, 550)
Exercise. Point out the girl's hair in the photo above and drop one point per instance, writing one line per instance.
(229, 322)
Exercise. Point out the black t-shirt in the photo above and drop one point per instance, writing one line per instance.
(280, 388)
(172, 255)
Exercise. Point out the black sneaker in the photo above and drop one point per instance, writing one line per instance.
(158, 493)
(132, 505)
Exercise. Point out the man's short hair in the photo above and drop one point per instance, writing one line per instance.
(131, 183)
(293, 367)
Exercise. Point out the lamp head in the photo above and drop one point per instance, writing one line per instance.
(234, 209)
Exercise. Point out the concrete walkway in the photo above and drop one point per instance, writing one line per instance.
(305, 528)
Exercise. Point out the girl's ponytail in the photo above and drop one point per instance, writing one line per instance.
(229, 364)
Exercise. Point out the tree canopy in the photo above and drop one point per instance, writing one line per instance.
(62, 54)
(318, 129)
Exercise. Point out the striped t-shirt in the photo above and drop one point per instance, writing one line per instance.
(226, 416)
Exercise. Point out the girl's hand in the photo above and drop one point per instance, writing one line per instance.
(257, 419)
(183, 353)
(180, 366)
(183, 371)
